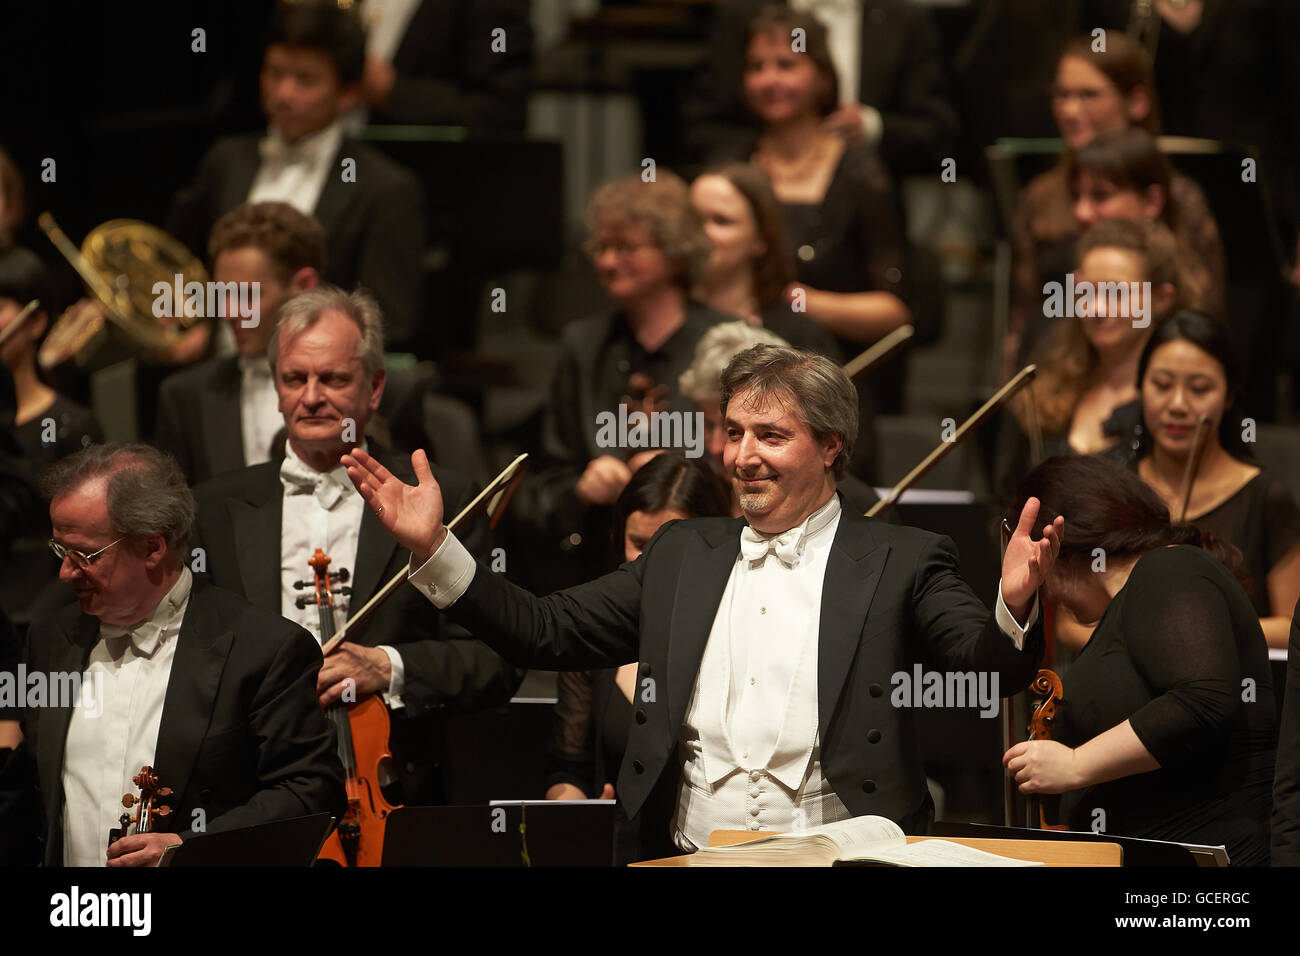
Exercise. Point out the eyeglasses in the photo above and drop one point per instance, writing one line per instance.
(81, 560)
(619, 247)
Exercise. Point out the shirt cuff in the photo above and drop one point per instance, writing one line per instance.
(397, 682)
(873, 125)
(1008, 624)
(446, 575)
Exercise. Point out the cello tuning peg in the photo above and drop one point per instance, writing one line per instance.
(345, 590)
(162, 811)
(301, 601)
(341, 574)
(299, 585)
(128, 800)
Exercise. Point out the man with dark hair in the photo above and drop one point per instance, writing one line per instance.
(223, 414)
(371, 209)
(766, 643)
(217, 696)
(259, 526)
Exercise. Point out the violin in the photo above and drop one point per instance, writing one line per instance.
(362, 729)
(1047, 684)
(149, 804)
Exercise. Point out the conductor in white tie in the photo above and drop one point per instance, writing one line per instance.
(766, 643)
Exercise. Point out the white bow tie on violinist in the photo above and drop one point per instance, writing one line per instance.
(274, 149)
(756, 546)
(298, 479)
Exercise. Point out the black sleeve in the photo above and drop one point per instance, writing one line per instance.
(1286, 782)
(448, 669)
(958, 632)
(170, 434)
(570, 750)
(1178, 631)
(296, 760)
(193, 209)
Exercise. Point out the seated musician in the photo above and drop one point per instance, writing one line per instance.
(1084, 399)
(48, 424)
(224, 414)
(259, 526)
(218, 696)
(1189, 369)
(649, 248)
(370, 207)
(1157, 736)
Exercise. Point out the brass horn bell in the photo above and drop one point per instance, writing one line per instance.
(120, 261)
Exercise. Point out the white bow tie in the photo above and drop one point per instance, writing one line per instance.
(145, 636)
(298, 479)
(756, 547)
(273, 149)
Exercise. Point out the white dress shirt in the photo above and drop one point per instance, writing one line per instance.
(103, 753)
(749, 745)
(322, 509)
(259, 408)
(296, 174)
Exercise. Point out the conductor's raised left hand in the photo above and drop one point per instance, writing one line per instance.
(1027, 563)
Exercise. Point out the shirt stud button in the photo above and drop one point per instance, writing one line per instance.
(753, 811)
(752, 681)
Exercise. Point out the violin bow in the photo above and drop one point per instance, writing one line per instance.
(880, 351)
(13, 326)
(494, 497)
(945, 447)
(1193, 463)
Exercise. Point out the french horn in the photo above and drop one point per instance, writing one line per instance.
(120, 261)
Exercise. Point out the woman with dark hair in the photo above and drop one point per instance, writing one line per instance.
(1095, 92)
(593, 708)
(1166, 730)
(842, 224)
(749, 268)
(1123, 175)
(48, 425)
(1189, 369)
(1084, 399)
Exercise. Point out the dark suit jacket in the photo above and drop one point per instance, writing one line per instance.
(902, 75)
(448, 73)
(242, 736)
(238, 526)
(374, 227)
(199, 420)
(892, 597)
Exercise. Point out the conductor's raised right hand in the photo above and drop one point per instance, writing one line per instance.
(412, 514)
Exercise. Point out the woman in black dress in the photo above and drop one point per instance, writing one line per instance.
(593, 708)
(1167, 727)
(842, 217)
(1188, 369)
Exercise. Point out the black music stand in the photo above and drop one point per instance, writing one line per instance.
(1137, 852)
(557, 833)
(293, 842)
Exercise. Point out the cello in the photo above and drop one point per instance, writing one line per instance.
(362, 729)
